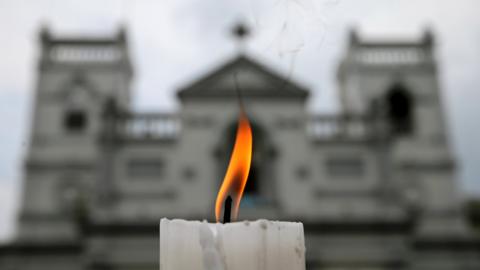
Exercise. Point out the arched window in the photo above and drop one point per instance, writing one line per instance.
(399, 110)
(75, 120)
(252, 187)
(259, 188)
(76, 117)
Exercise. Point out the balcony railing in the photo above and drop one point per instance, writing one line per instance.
(145, 126)
(400, 56)
(331, 127)
(160, 126)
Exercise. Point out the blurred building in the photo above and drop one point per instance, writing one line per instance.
(374, 185)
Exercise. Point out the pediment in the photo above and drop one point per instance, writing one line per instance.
(251, 78)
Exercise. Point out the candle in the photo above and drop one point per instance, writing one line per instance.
(257, 245)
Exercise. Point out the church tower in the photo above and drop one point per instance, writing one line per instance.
(76, 78)
(397, 82)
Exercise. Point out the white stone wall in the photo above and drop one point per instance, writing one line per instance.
(61, 165)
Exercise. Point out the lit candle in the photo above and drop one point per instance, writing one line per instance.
(258, 245)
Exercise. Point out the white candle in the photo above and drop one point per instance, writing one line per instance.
(257, 245)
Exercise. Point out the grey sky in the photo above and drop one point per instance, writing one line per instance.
(175, 41)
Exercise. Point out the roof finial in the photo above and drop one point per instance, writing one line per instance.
(353, 36)
(428, 37)
(240, 31)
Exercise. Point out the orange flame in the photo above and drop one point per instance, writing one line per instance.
(238, 168)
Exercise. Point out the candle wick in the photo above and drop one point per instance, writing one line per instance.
(227, 210)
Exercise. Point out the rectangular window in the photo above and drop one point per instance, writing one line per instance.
(345, 167)
(145, 168)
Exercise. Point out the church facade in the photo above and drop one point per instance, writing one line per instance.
(374, 184)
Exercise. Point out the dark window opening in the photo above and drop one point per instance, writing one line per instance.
(399, 110)
(251, 188)
(257, 191)
(75, 121)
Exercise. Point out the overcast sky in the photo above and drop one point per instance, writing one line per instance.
(175, 41)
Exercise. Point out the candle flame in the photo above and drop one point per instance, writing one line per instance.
(238, 168)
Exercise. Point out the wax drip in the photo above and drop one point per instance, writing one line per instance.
(211, 248)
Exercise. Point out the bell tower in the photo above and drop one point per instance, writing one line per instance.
(76, 76)
(397, 81)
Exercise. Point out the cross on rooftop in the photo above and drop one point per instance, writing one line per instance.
(240, 31)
